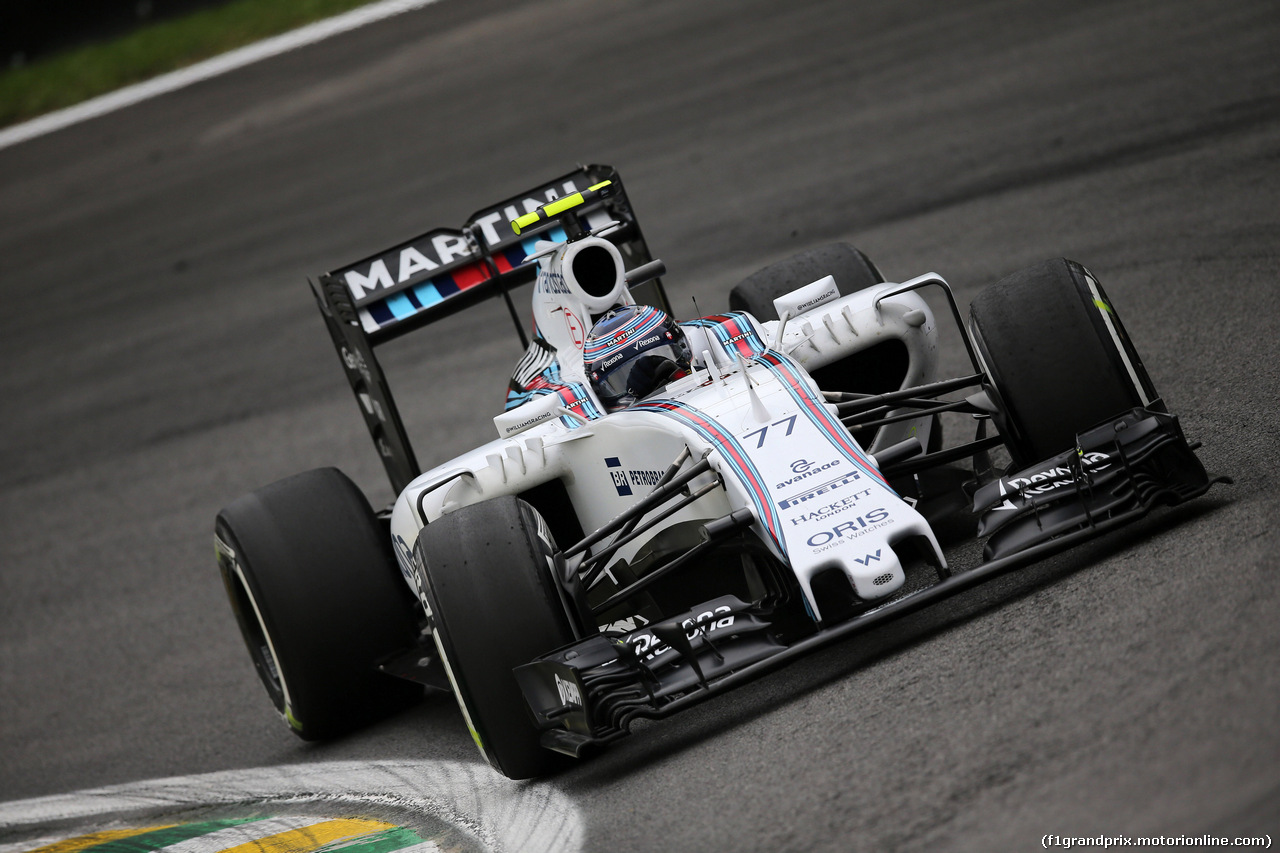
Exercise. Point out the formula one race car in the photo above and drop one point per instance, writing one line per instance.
(671, 509)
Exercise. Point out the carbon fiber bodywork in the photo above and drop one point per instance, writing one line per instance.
(588, 694)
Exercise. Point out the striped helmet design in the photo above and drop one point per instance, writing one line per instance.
(618, 328)
(631, 352)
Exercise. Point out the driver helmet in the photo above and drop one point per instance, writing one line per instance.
(632, 351)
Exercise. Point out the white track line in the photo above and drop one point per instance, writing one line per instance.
(502, 815)
(247, 55)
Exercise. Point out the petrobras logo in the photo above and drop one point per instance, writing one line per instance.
(645, 477)
(624, 479)
(618, 476)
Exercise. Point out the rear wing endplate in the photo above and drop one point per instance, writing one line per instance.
(447, 270)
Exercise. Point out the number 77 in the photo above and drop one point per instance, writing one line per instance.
(790, 422)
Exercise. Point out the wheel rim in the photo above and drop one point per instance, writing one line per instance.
(441, 642)
(258, 640)
(1137, 372)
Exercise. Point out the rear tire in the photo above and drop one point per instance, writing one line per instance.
(1058, 357)
(319, 600)
(852, 270)
(484, 576)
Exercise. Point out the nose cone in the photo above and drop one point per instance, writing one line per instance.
(873, 571)
(875, 574)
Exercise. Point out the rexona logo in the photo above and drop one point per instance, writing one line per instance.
(569, 692)
(803, 468)
(612, 360)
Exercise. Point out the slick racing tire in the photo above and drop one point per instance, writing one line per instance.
(1057, 356)
(852, 270)
(484, 576)
(319, 599)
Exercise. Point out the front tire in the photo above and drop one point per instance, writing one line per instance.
(1058, 358)
(484, 576)
(852, 270)
(319, 600)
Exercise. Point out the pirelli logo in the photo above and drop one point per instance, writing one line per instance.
(819, 491)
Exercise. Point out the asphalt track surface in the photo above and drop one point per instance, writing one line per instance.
(162, 355)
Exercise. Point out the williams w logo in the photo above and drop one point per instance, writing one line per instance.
(869, 559)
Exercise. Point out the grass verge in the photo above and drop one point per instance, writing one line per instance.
(85, 72)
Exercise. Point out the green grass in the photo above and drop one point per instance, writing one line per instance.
(82, 73)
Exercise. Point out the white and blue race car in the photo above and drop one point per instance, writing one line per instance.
(670, 509)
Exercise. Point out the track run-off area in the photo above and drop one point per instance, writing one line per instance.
(420, 807)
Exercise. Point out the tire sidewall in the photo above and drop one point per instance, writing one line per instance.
(245, 598)
(325, 591)
(1057, 364)
(1106, 321)
(851, 268)
(486, 624)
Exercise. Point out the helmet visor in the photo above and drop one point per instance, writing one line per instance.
(640, 376)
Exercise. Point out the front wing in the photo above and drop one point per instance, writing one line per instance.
(590, 692)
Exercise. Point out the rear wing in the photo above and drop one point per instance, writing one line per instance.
(447, 270)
